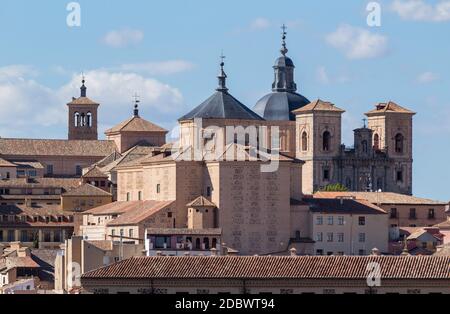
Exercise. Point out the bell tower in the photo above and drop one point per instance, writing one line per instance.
(82, 116)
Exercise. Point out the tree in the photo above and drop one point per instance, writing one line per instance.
(335, 188)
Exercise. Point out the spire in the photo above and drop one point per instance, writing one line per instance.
(83, 88)
(222, 76)
(136, 105)
(284, 69)
(284, 49)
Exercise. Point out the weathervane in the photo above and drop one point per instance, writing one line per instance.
(284, 49)
(137, 100)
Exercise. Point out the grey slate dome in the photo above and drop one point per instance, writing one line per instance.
(222, 105)
(279, 104)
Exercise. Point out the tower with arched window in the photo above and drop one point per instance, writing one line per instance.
(392, 129)
(82, 117)
(318, 128)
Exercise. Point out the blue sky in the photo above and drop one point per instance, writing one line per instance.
(168, 52)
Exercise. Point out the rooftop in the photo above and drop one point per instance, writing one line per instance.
(57, 183)
(86, 190)
(273, 267)
(334, 205)
(183, 231)
(381, 198)
(389, 107)
(136, 124)
(319, 105)
(44, 147)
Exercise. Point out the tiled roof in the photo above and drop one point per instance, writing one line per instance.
(29, 164)
(108, 159)
(87, 190)
(142, 210)
(104, 245)
(318, 105)
(40, 210)
(130, 156)
(21, 262)
(136, 124)
(95, 172)
(273, 267)
(82, 101)
(115, 208)
(34, 147)
(201, 201)
(5, 163)
(184, 231)
(381, 198)
(44, 197)
(334, 205)
(389, 107)
(57, 183)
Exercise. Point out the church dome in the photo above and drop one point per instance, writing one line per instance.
(279, 105)
(284, 98)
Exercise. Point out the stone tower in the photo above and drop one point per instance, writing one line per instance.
(392, 134)
(83, 117)
(318, 133)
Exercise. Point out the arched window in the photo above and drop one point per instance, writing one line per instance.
(76, 119)
(214, 243)
(304, 142)
(380, 184)
(89, 119)
(326, 141)
(206, 243)
(83, 120)
(376, 142)
(399, 143)
(364, 146)
(297, 235)
(348, 183)
(198, 243)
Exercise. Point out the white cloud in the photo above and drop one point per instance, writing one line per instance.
(322, 75)
(157, 68)
(419, 10)
(259, 23)
(123, 38)
(427, 77)
(28, 106)
(17, 71)
(357, 43)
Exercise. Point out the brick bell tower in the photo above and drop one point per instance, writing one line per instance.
(83, 117)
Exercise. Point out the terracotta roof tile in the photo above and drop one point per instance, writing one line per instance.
(136, 124)
(201, 201)
(87, 190)
(381, 198)
(273, 267)
(82, 101)
(36, 147)
(141, 211)
(334, 205)
(5, 163)
(389, 107)
(318, 105)
(57, 183)
(95, 172)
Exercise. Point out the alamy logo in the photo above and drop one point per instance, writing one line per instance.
(374, 276)
(74, 17)
(374, 16)
(230, 143)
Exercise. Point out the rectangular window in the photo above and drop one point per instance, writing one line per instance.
(208, 191)
(394, 213)
(319, 252)
(128, 197)
(412, 213)
(340, 237)
(319, 220)
(140, 196)
(330, 220)
(362, 221)
(32, 173)
(400, 176)
(49, 170)
(362, 237)
(158, 188)
(341, 220)
(78, 170)
(330, 237)
(326, 175)
(130, 233)
(319, 237)
(11, 236)
(431, 213)
(21, 173)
